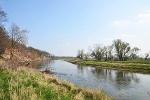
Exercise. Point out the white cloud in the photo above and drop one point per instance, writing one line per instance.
(121, 23)
(124, 37)
(129, 36)
(143, 15)
(136, 31)
(141, 19)
(116, 23)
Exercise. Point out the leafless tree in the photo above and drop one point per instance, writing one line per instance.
(146, 55)
(18, 38)
(4, 39)
(108, 52)
(133, 53)
(80, 54)
(98, 52)
(3, 16)
(3, 34)
(122, 49)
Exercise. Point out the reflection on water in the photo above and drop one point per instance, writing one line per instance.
(40, 64)
(118, 84)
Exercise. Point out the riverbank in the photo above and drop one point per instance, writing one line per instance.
(132, 66)
(30, 84)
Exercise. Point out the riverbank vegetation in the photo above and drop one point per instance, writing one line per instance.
(119, 55)
(117, 51)
(29, 84)
(131, 66)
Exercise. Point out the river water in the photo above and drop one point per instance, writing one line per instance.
(117, 84)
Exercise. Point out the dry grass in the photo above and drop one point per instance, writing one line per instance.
(29, 84)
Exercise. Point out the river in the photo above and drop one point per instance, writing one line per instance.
(117, 84)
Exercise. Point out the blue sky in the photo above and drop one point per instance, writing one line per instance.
(61, 27)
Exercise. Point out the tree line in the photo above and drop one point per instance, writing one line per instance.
(118, 50)
(16, 39)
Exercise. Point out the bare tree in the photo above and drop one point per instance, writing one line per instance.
(3, 16)
(3, 34)
(133, 52)
(80, 54)
(86, 56)
(108, 52)
(98, 52)
(4, 39)
(122, 49)
(146, 55)
(18, 38)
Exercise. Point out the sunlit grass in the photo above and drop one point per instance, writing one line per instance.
(29, 84)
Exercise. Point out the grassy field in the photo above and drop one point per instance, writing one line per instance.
(30, 84)
(134, 66)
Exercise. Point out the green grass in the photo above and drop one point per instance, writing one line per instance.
(134, 66)
(29, 84)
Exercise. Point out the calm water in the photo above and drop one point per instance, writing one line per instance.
(117, 84)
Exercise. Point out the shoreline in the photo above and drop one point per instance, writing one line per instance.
(129, 66)
(41, 85)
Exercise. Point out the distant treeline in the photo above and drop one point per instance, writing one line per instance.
(40, 52)
(15, 39)
(118, 50)
(64, 57)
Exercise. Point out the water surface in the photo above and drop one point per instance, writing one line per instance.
(117, 84)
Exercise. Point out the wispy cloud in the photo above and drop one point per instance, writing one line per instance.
(120, 36)
(135, 31)
(129, 36)
(140, 20)
(143, 15)
(121, 23)
(143, 19)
